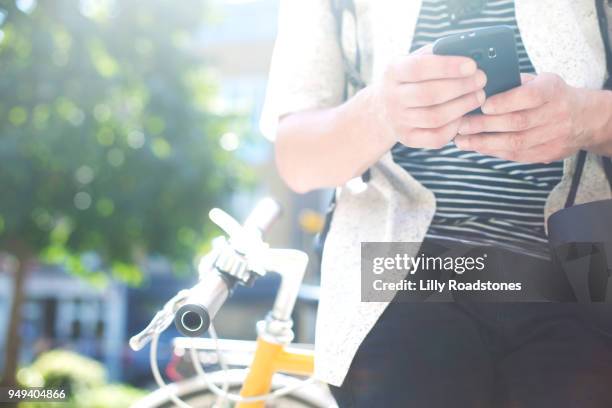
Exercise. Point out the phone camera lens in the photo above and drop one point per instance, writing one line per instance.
(492, 53)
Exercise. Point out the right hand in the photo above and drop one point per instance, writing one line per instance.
(423, 96)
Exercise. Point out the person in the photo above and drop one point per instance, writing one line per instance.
(436, 173)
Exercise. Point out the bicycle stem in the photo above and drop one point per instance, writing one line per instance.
(291, 265)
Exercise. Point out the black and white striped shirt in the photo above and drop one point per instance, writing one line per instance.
(479, 198)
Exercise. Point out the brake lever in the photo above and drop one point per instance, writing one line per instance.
(242, 238)
(160, 321)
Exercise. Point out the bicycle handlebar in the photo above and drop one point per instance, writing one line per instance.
(194, 316)
(263, 215)
(206, 298)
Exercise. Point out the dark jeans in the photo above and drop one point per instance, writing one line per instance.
(493, 355)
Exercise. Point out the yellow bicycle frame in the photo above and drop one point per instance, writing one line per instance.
(271, 358)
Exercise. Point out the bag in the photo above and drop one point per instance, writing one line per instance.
(580, 239)
(580, 236)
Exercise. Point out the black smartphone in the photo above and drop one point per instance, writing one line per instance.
(494, 51)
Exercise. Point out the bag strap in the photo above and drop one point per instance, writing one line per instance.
(580, 164)
(571, 196)
(607, 165)
(352, 69)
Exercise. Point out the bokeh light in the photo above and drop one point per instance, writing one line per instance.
(82, 200)
(229, 141)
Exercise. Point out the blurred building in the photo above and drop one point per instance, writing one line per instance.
(239, 46)
(63, 311)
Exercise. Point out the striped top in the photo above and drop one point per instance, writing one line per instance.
(479, 198)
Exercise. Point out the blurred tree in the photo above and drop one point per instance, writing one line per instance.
(108, 147)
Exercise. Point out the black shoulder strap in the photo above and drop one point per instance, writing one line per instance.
(580, 163)
(571, 196)
(607, 164)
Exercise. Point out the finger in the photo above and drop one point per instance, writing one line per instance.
(532, 94)
(438, 91)
(545, 153)
(439, 115)
(425, 67)
(487, 143)
(431, 138)
(426, 49)
(509, 122)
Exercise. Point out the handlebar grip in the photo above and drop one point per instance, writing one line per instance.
(263, 215)
(193, 318)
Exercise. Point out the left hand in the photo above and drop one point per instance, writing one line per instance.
(541, 121)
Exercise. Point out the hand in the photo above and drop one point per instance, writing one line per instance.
(423, 96)
(542, 121)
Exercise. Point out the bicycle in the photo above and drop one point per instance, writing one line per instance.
(270, 377)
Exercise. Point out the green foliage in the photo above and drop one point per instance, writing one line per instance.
(82, 378)
(107, 143)
(63, 369)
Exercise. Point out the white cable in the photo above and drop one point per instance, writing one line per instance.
(197, 365)
(224, 368)
(156, 374)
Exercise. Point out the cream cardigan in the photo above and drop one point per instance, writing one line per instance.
(560, 36)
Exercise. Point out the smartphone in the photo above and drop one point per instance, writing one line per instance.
(494, 51)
